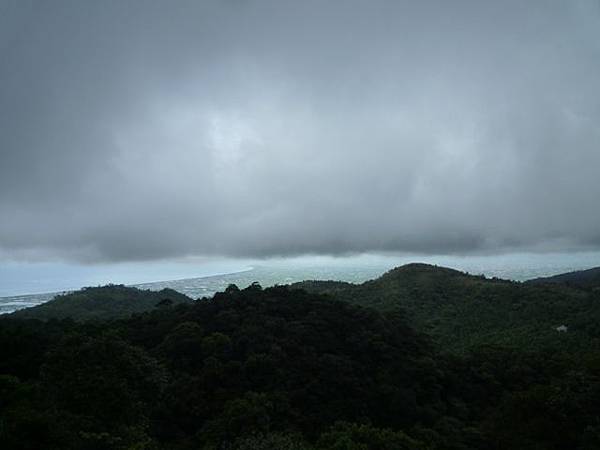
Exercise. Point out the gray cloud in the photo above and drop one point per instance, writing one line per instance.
(142, 130)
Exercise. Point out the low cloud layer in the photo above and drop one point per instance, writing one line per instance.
(146, 130)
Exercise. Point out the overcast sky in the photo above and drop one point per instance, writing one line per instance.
(141, 130)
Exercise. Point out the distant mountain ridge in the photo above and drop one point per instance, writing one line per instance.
(585, 279)
(459, 310)
(102, 303)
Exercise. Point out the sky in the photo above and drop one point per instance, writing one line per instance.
(150, 130)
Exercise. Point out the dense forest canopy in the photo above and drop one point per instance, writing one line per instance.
(463, 311)
(395, 363)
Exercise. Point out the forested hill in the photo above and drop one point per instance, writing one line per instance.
(584, 279)
(286, 369)
(463, 311)
(100, 303)
(459, 310)
(249, 369)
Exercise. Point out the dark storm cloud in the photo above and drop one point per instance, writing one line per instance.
(138, 130)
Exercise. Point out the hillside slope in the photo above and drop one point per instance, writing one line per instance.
(462, 310)
(100, 303)
(223, 373)
(584, 279)
(286, 369)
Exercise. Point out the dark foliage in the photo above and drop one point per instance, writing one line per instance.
(583, 279)
(282, 368)
(103, 303)
(462, 311)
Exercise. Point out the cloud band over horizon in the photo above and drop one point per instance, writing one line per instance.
(147, 130)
